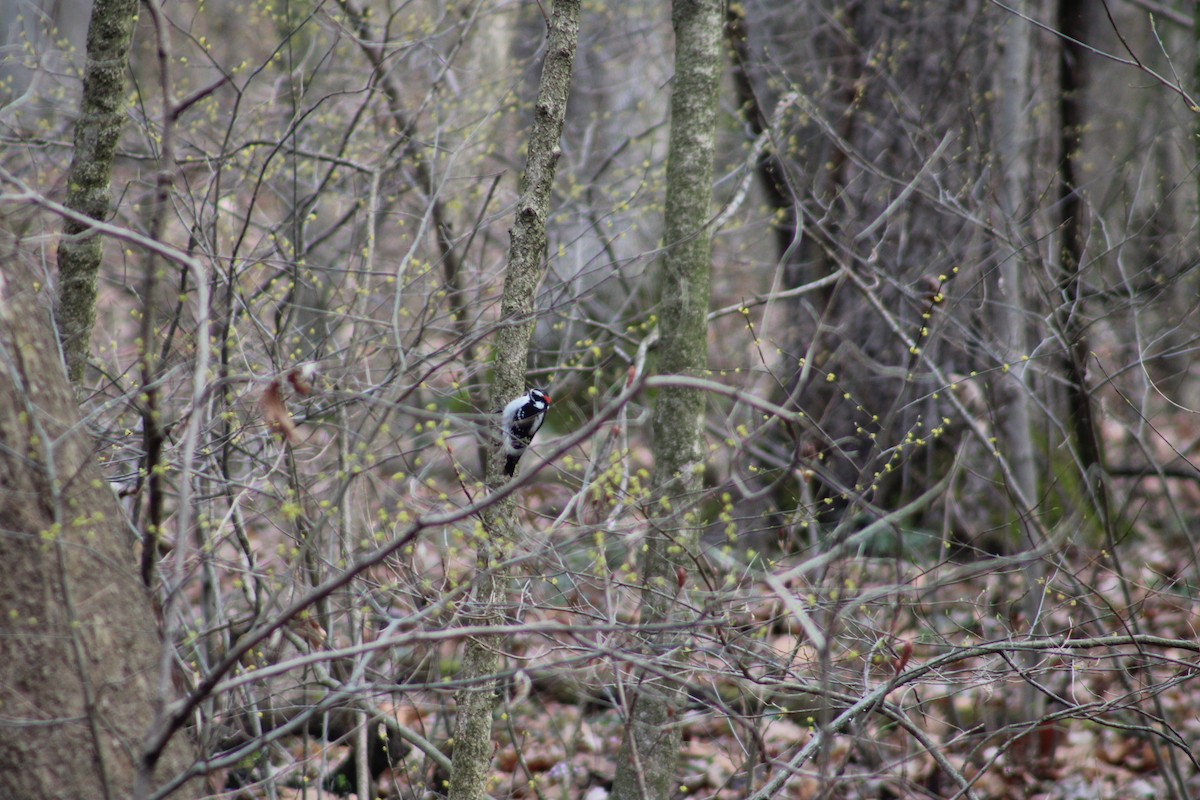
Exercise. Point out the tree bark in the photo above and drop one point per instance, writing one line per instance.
(476, 700)
(97, 131)
(1196, 89)
(1014, 150)
(82, 646)
(646, 764)
(1014, 155)
(1073, 78)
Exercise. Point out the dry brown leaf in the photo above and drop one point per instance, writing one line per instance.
(541, 760)
(276, 413)
(783, 735)
(301, 378)
(506, 759)
(309, 630)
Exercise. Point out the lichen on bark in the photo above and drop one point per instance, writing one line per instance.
(97, 132)
(83, 643)
(646, 764)
(476, 700)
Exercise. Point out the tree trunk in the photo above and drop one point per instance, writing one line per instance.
(82, 647)
(1195, 91)
(646, 764)
(1015, 151)
(1014, 155)
(475, 701)
(1073, 77)
(97, 132)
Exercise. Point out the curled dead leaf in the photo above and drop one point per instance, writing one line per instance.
(276, 413)
(301, 378)
(309, 630)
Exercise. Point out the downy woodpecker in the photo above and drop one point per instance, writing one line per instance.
(519, 421)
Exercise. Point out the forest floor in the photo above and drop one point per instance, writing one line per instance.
(1107, 719)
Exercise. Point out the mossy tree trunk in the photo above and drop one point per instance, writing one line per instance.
(476, 700)
(649, 753)
(82, 646)
(97, 131)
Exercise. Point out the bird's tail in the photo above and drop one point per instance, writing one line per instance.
(510, 464)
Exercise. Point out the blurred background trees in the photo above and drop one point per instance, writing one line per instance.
(950, 422)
